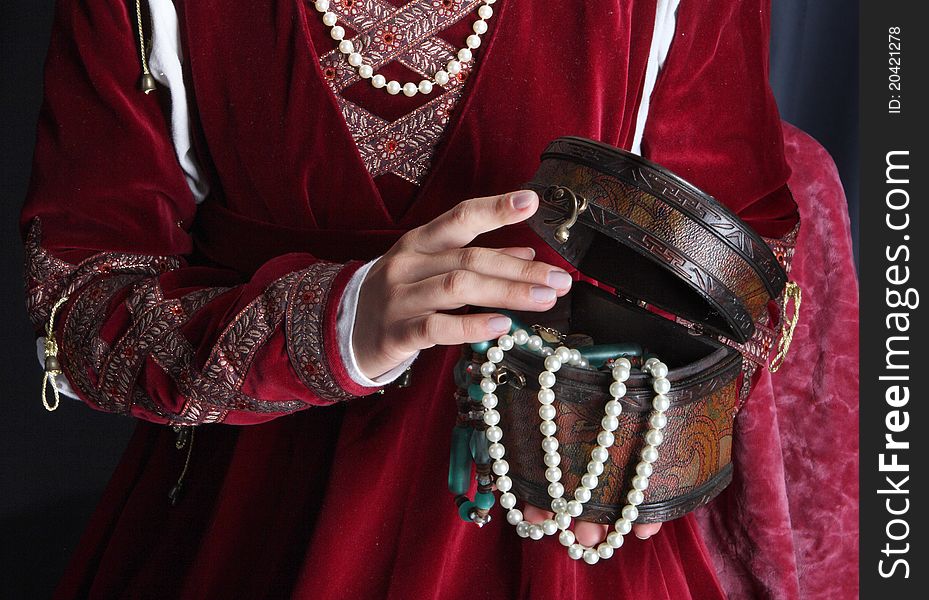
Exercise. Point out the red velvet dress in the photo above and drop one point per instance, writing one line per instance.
(222, 314)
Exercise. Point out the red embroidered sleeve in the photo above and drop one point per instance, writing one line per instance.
(106, 224)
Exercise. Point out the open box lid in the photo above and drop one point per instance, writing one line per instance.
(635, 226)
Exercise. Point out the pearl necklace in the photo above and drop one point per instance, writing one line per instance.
(410, 89)
(566, 510)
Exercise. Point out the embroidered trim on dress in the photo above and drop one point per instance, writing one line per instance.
(408, 35)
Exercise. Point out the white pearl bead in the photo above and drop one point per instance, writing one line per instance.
(555, 490)
(559, 505)
(365, 71)
(491, 417)
(614, 540)
(546, 396)
(553, 474)
(563, 353)
(649, 454)
(535, 532)
(546, 351)
(617, 389)
(622, 361)
(589, 481)
(488, 386)
(644, 469)
(504, 483)
(583, 363)
(659, 369)
(595, 468)
(496, 451)
(473, 41)
(465, 55)
(613, 408)
(552, 363)
(575, 356)
(494, 434)
(635, 497)
(549, 527)
(563, 520)
(661, 385)
(507, 500)
(546, 379)
(480, 27)
(337, 32)
(489, 400)
(441, 77)
(566, 537)
(378, 81)
(639, 482)
(534, 342)
(514, 516)
(576, 551)
(548, 428)
(591, 557)
(547, 412)
(654, 437)
(605, 550)
(621, 373)
(630, 513)
(522, 529)
(329, 19)
(550, 444)
(453, 67)
(425, 87)
(658, 420)
(489, 1)
(494, 354)
(649, 362)
(552, 459)
(582, 495)
(599, 454)
(661, 403)
(623, 526)
(488, 368)
(501, 467)
(609, 423)
(506, 342)
(575, 508)
(323, 5)
(393, 88)
(521, 336)
(606, 439)
(346, 47)
(485, 12)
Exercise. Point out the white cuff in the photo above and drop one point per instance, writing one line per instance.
(345, 326)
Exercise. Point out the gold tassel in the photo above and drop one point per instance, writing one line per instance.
(52, 364)
(148, 80)
(791, 292)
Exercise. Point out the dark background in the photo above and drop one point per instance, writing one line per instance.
(54, 466)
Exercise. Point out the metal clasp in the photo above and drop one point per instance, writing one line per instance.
(571, 203)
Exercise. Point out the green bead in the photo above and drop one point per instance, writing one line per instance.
(464, 511)
(599, 354)
(481, 347)
(475, 391)
(459, 461)
(479, 444)
(484, 500)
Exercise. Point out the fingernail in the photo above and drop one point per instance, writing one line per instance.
(641, 537)
(541, 293)
(522, 199)
(558, 280)
(501, 324)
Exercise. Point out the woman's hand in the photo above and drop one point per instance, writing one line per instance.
(428, 271)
